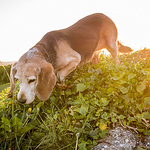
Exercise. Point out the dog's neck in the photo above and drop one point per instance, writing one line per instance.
(50, 56)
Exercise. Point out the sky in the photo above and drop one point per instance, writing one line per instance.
(24, 22)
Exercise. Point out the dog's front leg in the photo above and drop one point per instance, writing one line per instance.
(66, 70)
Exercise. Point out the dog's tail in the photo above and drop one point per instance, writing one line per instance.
(123, 49)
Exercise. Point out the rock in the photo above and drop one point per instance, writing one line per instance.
(118, 139)
(145, 142)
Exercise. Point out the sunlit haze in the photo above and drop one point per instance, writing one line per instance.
(24, 22)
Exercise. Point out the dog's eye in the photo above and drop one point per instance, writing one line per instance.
(31, 80)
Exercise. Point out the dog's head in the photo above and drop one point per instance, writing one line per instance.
(35, 78)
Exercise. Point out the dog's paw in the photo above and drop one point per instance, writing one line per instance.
(62, 86)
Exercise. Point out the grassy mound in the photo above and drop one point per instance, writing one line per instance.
(96, 98)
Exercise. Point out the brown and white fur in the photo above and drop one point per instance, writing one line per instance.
(59, 52)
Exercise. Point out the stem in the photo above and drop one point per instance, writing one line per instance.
(77, 141)
(12, 113)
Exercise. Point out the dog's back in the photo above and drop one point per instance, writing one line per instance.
(91, 33)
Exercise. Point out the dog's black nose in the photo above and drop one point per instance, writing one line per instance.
(22, 100)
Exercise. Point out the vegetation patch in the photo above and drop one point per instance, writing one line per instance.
(95, 99)
(4, 74)
(4, 86)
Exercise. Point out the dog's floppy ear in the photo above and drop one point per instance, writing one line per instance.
(46, 81)
(12, 79)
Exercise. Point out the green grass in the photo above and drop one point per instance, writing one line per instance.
(4, 86)
(96, 98)
(4, 74)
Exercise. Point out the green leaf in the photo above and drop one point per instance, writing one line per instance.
(131, 76)
(130, 119)
(126, 97)
(122, 117)
(103, 133)
(55, 116)
(98, 112)
(110, 90)
(94, 101)
(123, 89)
(26, 129)
(61, 128)
(82, 110)
(36, 111)
(146, 132)
(16, 124)
(140, 88)
(147, 100)
(104, 102)
(105, 115)
(5, 121)
(80, 99)
(140, 107)
(82, 146)
(113, 119)
(81, 87)
(5, 134)
(16, 121)
(115, 77)
(6, 128)
(146, 115)
(71, 129)
(94, 133)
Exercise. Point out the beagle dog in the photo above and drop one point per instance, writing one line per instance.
(59, 52)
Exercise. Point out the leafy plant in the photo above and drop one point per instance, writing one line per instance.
(96, 98)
